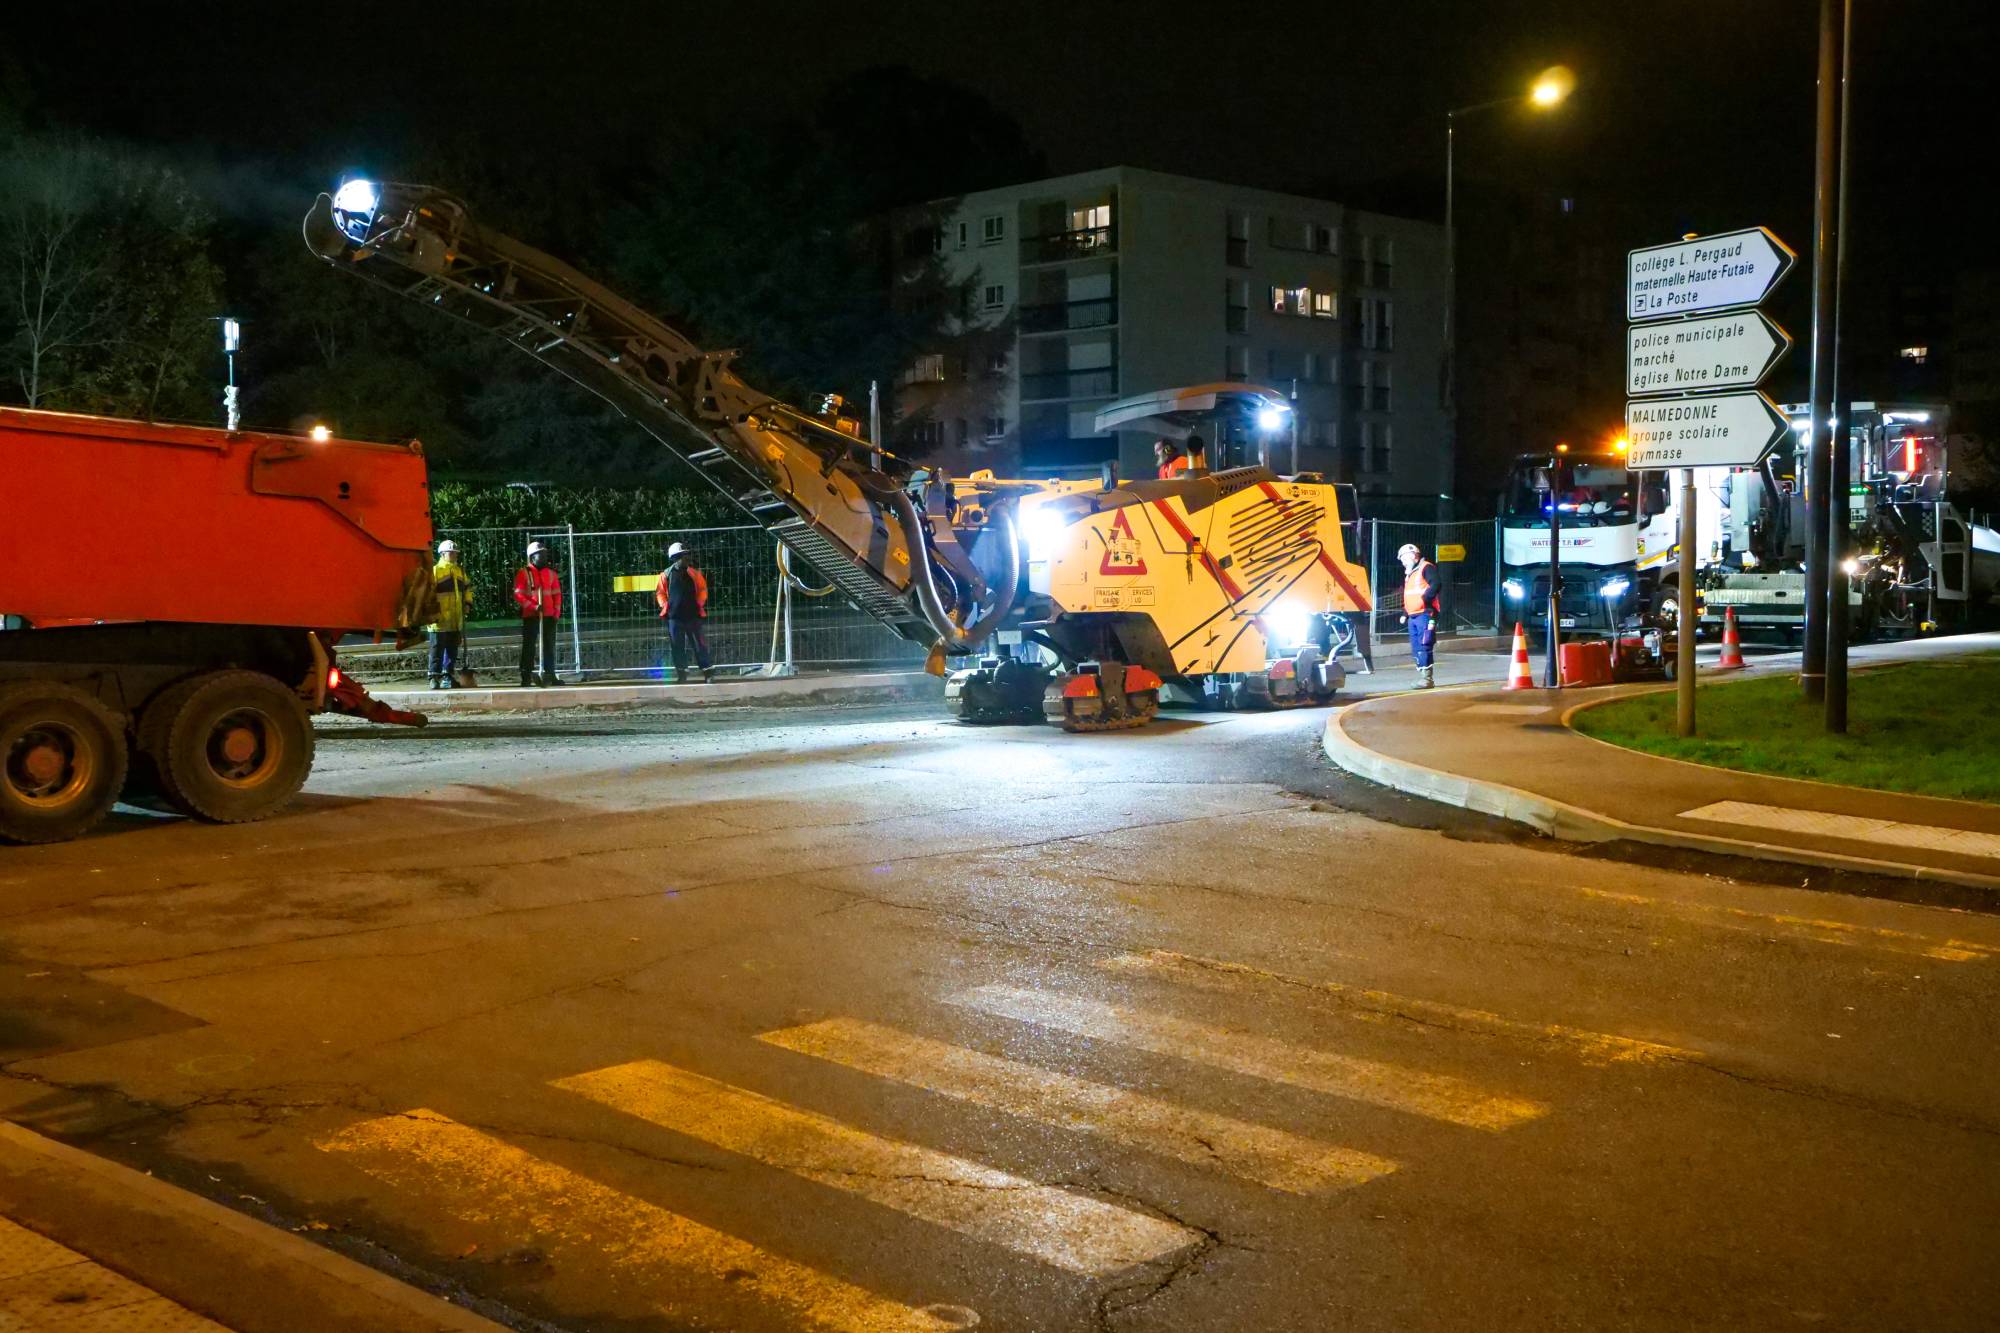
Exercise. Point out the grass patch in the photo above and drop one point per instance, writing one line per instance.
(1932, 728)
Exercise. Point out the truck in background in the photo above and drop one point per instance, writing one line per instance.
(175, 600)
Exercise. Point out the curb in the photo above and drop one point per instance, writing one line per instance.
(1570, 823)
(219, 1263)
(781, 692)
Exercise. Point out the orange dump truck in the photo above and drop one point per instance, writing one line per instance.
(172, 598)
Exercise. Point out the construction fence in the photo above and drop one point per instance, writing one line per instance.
(611, 626)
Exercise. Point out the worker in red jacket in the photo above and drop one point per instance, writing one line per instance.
(1173, 463)
(682, 595)
(538, 592)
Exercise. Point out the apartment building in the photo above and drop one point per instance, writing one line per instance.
(1110, 283)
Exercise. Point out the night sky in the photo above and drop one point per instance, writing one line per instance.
(1696, 115)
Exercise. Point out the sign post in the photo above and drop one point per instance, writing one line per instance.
(1694, 355)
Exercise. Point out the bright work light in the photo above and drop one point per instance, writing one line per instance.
(1270, 418)
(357, 196)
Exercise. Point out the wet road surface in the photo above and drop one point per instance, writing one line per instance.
(857, 1020)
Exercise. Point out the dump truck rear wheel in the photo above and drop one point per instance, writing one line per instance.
(230, 747)
(62, 761)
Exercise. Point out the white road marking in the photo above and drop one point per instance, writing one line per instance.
(1853, 828)
(1270, 1156)
(1067, 1230)
(1437, 1096)
(506, 1196)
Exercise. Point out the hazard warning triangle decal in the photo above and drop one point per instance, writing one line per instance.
(1121, 548)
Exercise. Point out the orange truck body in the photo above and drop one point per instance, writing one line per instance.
(111, 520)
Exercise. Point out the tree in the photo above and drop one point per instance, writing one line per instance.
(110, 289)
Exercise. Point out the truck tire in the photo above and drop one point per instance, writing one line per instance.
(62, 761)
(229, 747)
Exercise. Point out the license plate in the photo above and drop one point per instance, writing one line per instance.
(1567, 622)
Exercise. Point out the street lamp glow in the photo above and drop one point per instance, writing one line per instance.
(1552, 86)
(321, 434)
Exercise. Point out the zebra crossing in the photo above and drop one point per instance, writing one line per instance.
(500, 1189)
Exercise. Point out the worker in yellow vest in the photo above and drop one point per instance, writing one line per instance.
(1421, 587)
(454, 595)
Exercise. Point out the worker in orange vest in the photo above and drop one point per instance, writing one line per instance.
(1421, 587)
(682, 595)
(538, 593)
(1172, 462)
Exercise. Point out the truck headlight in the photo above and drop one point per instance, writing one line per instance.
(1613, 588)
(1516, 590)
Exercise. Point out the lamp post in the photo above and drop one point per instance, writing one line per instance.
(1549, 90)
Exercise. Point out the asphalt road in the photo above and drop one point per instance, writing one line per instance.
(864, 1020)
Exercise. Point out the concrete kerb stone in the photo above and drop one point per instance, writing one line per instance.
(1569, 823)
(784, 691)
(220, 1263)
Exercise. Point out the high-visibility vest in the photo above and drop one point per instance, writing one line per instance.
(538, 592)
(454, 594)
(1173, 467)
(1417, 594)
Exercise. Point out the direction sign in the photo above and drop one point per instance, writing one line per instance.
(1696, 355)
(1717, 430)
(1737, 268)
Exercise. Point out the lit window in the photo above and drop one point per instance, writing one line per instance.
(1302, 299)
(992, 229)
(1916, 354)
(1323, 306)
(996, 296)
(995, 427)
(1277, 300)
(930, 367)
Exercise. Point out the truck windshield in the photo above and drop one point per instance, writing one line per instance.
(1588, 494)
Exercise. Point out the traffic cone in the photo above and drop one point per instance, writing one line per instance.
(1519, 677)
(1732, 647)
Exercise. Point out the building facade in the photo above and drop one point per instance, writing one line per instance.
(1111, 283)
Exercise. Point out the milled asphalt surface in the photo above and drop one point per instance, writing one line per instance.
(455, 920)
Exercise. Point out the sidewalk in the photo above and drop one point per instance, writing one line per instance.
(1512, 754)
(777, 691)
(89, 1246)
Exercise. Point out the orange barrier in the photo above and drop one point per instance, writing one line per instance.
(1585, 663)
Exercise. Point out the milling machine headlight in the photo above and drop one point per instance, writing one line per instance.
(1042, 528)
(1516, 590)
(1850, 566)
(357, 197)
(1613, 588)
(1286, 624)
(1270, 418)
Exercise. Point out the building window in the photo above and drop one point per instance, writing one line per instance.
(937, 241)
(1277, 300)
(1237, 248)
(1278, 365)
(1329, 434)
(1235, 305)
(1385, 262)
(1385, 438)
(1916, 354)
(963, 228)
(996, 427)
(1325, 240)
(995, 296)
(1309, 370)
(992, 229)
(1377, 324)
(1324, 307)
(931, 366)
(1095, 218)
(1236, 364)
(1302, 299)
(997, 363)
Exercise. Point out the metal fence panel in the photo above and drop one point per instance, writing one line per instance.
(1471, 580)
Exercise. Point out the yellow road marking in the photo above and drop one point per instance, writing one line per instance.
(1598, 1048)
(1438, 1096)
(1053, 1225)
(1819, 929)
(1258, 1152)
(515, 1196)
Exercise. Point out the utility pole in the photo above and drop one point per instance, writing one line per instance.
(1685, 619)
(1839, 474)
(1823, 426)
(1552, 672)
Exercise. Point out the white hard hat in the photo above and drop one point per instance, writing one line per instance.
(676, 549)
(1409, 549)
(534, 547)
(447, 546)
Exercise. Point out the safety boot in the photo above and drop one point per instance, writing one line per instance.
(1424, 681)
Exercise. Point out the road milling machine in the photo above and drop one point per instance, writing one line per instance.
(1073, 600)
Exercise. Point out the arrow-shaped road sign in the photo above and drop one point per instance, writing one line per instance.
(1737, 268)
(1719, 430)
(1696, 355)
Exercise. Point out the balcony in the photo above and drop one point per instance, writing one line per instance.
(1099, 382)
(1062, 246)
(1067, 316)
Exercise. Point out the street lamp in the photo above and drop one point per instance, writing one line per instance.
(1549, 90)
